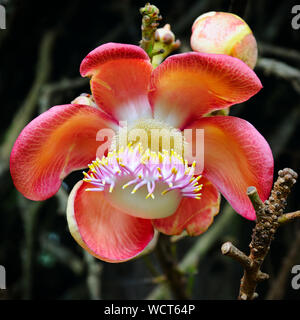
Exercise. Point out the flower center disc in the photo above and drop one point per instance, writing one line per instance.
(136, 204)
(142, 183)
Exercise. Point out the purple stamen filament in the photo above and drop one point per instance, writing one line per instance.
(144, 168)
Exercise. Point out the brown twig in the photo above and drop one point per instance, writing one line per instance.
(288, 217)
(269, 216)
(228, 249)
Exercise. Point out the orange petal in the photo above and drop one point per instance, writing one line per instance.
(186, 86)
(236, 156)
(60, 140)
(105, 232)
(120, 75)
(192, 215)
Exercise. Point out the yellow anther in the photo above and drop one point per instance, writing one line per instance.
(125, 186)
(150, 195)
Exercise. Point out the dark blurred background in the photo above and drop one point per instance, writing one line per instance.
(40, 53)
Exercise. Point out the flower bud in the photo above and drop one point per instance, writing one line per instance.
(165, 35)
(225, 33)
(164, 44)
(85, 99)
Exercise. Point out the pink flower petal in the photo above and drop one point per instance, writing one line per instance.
(120, 75)
(236, 156)
(186, 86)
(61, 140)
(192, 215)
(105, 232)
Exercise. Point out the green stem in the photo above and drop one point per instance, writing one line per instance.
(150, 20)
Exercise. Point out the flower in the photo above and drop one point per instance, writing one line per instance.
(130, 191)
(225, 33)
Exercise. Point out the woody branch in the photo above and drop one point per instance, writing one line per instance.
(269, 216)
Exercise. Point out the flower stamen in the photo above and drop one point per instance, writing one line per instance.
(142, 168)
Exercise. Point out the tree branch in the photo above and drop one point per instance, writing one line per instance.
(268, 216)
(288, 217)
(24, 114)
(228, 249)
(280, 70)
(286, 53)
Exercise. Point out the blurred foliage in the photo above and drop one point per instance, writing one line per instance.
(41, 258)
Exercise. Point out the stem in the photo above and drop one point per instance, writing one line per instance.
(258, 205)
(93, 276)
(150, 20)
(228, 249)
(288, 217)
(199, 249)
(175, 278)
